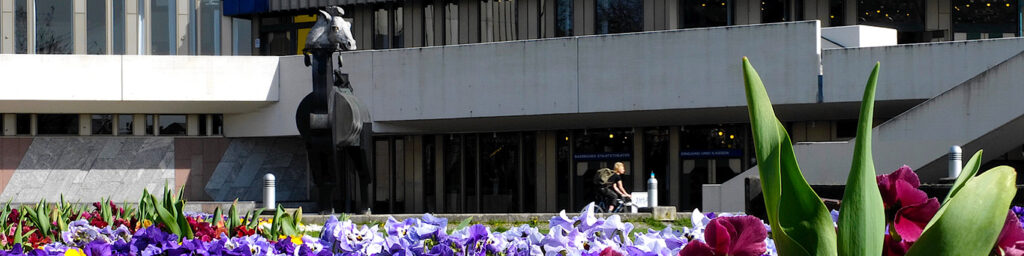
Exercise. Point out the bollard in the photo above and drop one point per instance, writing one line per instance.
(269, 198)
(955, 161)
(652, 191)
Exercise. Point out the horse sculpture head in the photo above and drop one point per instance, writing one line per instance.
(331, 31)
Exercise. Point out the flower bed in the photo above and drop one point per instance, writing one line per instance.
(111, 230)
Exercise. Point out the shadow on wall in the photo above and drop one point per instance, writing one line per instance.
(240, 171)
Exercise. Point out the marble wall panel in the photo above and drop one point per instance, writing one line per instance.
(240, 171)
(86, 169)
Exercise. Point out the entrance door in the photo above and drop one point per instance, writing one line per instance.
(593, 150)
(700, 171)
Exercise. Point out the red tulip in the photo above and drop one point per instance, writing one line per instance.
(1011, 239)
(907, 207)
(736, 236)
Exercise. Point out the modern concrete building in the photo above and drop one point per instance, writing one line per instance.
(494, 106)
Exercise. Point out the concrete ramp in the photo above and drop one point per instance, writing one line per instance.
(984, 112)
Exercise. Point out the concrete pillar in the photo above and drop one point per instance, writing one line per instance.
(192, 125)
(115, 119)
(851, 13)
(7, 26)
(209, 125)
(226, 28)
(84, 123)
(30, 7)
(544, 193)
(156, 125)
(672, 14)
(33, 125)
(413, 196)
(139, 125)
(674, 169)
(545, 19)
(412, 19)
(109, 25)
(79, 27)
(943, 19)
(131, 28)
(147, 28)
(10, 124)
(649, 16)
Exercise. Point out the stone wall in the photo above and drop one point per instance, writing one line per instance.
(86, 169)
(241, 169)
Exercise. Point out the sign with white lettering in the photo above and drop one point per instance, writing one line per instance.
(611, 156)
(711, 153)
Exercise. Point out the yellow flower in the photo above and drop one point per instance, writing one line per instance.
(74, 252)
(146, 223)
(297, 240)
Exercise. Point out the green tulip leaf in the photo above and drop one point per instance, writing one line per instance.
(970, 222)
(186, 229)
(862, 215)
(164, 216)
(968, 172)
(801, 225)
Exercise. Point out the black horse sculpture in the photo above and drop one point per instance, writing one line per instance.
(334, 124)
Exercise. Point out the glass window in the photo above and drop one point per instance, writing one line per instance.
(619, 16)
(451, 23)
(774, 11)
(118, 27)
(905, 16)
(985, 19)
(382, 182)
(429, 174)
(710, 154)
(381, 37)
(529, 184)
(565, 175)
(836, 13)
(499, 172)
(398, 32)
(57, 124)
(96, 27)
(497, 20)
(656, 159)
(428, 24)
(595, 149)
(453, 183)
(102, 124)
(23, 124)
(20, 26)
(202, 125)
(53, 27)
(124, 124)
(218, 124)
(141, 26)
(171, 125)
(164, 27)
(149, 125)
(472, 195)
(563, 22)
(192, 33)
(705, 13)
(241, 37)
(209, 19)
